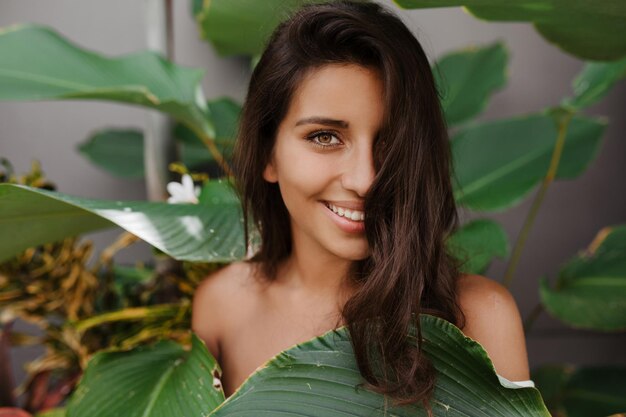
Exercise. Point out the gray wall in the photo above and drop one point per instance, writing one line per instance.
(539, 76)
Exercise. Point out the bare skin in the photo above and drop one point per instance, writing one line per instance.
(253, 322)
(245, 322)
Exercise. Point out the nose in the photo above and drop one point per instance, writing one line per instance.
(359, 172)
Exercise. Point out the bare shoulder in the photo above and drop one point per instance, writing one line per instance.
(213, 301)
(493, 320)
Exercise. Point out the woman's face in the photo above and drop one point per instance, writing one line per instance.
(322, 158)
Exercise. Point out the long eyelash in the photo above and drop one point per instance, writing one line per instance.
(314, 135)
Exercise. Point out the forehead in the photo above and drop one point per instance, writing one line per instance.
(344, 91)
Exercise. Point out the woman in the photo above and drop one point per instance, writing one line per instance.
(343, 162)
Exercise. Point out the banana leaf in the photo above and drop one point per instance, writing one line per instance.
(208, 232)
(36, 63)
(316, 378)
(162, 380)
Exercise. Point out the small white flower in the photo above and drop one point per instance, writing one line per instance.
(184, 191)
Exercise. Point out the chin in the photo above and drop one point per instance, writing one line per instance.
(354, 255)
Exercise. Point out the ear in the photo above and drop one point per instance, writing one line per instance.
(269, 173)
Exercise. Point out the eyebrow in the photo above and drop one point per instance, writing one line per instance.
(323, 121)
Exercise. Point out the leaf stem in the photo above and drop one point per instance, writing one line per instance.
(124, 240)
(217, 155)
(132, 313)
(563, 117)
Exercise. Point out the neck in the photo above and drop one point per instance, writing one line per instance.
(312, 271)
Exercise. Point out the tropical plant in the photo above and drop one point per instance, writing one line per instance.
(110, 314)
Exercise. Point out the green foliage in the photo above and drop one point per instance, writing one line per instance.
(150, 381)
(218, 192)
(499, 163)
(207, 232)
(225, 113)
(580, 28)
(470, 76)
(595, 81)
(315, 378)
(241, 27)
(496, 165)
(593, 391)
(127, 278)
(589, 291)
(477, 243)
(119, 152)
(236, 27)
(58, 69)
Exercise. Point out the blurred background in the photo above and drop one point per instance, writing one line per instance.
(539, 76)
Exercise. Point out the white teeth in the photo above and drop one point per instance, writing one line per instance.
(353, 215)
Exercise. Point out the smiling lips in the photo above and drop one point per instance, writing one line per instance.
(352, 214)
(343, 216)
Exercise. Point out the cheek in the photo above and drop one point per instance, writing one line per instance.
(304, 174)
(301, 185)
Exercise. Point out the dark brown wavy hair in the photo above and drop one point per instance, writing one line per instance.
(410, 209)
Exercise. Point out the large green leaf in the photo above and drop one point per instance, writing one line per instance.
(118, 151)
(595, 81)
(163, 380)
(206, 232)
(36, 63)
(225, 116)
(498, 163)
(467, 78)
(121, 152)
(590, 291)
(218, 192)
(241, 27)
(316, 378)
(583, 27)
(476, 243)
(596, 391)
